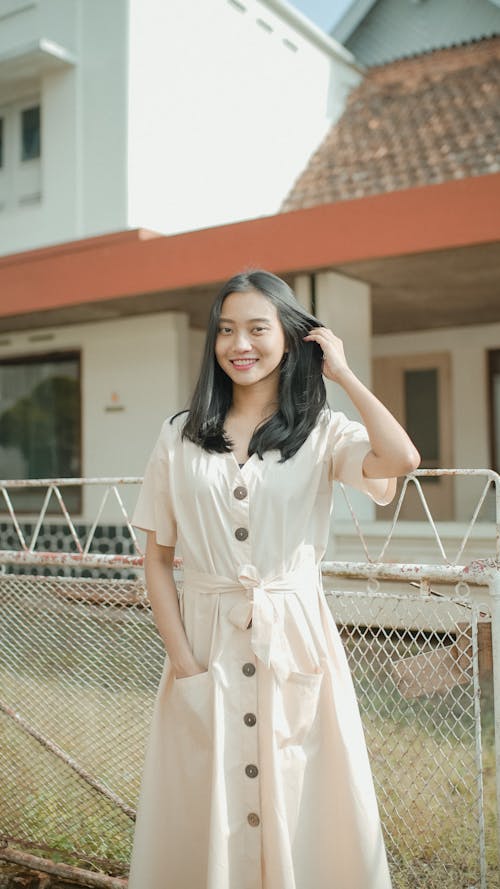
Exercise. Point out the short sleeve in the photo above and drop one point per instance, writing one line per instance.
(154, 510)
(348, 445)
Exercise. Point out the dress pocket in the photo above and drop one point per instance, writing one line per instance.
(192, 702)
(297, 706)
(190, 680)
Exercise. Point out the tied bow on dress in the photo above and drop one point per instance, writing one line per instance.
(260, 604)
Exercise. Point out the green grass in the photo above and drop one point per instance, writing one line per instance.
(424, 763)
(43, 800)
(427, 795)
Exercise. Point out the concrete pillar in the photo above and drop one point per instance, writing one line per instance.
(468, 379)
(302, 288)
(344, 305)
(196, 347)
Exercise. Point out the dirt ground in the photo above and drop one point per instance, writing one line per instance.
(13, 877)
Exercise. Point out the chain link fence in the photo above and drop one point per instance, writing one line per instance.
(80, 661)
(418, 686)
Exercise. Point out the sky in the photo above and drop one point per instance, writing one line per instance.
(323, 13)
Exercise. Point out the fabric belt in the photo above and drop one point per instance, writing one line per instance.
(258, 604)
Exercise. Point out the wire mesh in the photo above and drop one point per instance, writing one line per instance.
(80, 661)
(417, 684)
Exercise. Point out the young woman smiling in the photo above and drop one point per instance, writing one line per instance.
(256, 773)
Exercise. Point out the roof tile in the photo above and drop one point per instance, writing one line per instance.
(412, 122)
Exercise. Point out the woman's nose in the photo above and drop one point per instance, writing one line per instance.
(241, 341)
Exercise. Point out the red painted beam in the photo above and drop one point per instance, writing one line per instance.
(434, 217)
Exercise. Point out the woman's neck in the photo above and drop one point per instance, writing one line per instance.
(256, 402)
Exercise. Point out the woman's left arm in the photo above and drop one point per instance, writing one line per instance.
(392, 451)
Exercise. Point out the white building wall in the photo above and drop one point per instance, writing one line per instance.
(24, 21)
(226, 104)
(19, 23)
(134, 373)
(102, 126)
(50, 217)
(58, 20)
(81, 174)
(140, 364)
(165, 115)
(469, 392)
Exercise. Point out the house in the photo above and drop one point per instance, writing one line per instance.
(119, 121)
(167, 116)
(381, 31)
(390, 233)
(419, 121)
(426, 112)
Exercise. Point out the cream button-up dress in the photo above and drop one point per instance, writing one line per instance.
(256, 773)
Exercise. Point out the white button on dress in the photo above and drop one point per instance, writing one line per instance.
(256, 773)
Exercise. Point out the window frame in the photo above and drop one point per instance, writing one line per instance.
(24, 107)
(492, 357)
(426, 462)
(388, 385)
(21, 182)
(57, 356)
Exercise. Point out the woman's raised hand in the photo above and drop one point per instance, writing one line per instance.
(334, 360)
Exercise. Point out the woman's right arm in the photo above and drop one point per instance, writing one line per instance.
(162, 594)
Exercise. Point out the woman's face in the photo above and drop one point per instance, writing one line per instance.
(250, 341)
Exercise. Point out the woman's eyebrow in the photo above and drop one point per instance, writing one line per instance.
(249, 321)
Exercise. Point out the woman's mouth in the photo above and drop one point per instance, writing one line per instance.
(243, 363)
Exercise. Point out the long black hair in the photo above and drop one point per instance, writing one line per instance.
(301, 391)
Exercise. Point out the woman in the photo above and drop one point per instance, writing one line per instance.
(256, 774)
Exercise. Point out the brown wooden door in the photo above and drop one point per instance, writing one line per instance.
(417, 390)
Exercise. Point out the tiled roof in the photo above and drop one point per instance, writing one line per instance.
(412, 122)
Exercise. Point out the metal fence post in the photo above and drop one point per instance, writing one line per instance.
(495, 644)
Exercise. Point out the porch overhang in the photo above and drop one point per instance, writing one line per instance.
(33, 60)
(415, 247)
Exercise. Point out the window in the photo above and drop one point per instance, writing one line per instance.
(30, 133)
(421, 408)
(494, 389)
(20, 154)
(40, 423)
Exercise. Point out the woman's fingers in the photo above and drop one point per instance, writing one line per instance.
(334, 360)
(322, 335)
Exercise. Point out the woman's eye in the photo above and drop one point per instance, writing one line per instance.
(227, 330)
